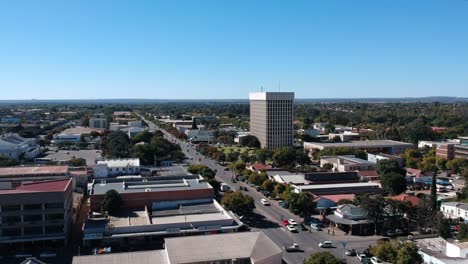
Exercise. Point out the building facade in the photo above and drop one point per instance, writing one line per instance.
(36, 212)
(14, 146)
(116, 167)
(98, 122)
(271, 118)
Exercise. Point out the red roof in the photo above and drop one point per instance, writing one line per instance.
(407, 198)
(336, 197)
(41, 170)
(259, 166)
(45, 186)
(370, 173)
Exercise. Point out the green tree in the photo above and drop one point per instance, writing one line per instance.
(202, 170)
(463, 232)
(7, 161)
(323, 257)
(456, 165)
(388, 166)
(249, 141)
(344, 201)
(258, 178)
(239, 203)
(116, 145)
(77, 162)
(301, 203)
(112, 202)
(327, 166)
(393, 183)
(237, 167)
(232, 156)
(408, 254)
(268, 186)
(144, 136)
(284, 157)
(375, 209)
(145, 153)
(444, 227)
(386, 251)
(441, 163)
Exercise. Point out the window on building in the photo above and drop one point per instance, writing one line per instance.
(32, 207)
(53, 205)
(11, 232)
(36, 230)
(11, 208)
(54, 216)
(54, 229)
(11, 219)
(32, 218)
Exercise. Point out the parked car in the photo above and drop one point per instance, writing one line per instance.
(376, 260)
(292, 222)
(264, 202)
(361, 256)
(326, 244)
(350, 252)
(302, 227)
(292, 228)
(315, 227)
(294, 247)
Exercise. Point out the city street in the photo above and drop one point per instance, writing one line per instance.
(270, 216)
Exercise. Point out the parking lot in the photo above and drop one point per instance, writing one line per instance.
(64, 155)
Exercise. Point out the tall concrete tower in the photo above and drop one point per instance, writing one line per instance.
(271, 118)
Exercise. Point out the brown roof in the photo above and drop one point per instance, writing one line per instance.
(259, 166)
(368, 173)
(45, 186)
(82, 130)
(41, 170)
(407, 198)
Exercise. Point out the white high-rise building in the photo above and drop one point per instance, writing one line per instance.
(271, 118)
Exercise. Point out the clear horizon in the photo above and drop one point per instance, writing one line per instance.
(52, 50)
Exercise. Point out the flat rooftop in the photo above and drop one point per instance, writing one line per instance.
(138, 257)
(33, 171)
(81, 130)
(148, 185)
(338, 185)
(120, 162)
(130, 217)
(175, 170)
(359, 144)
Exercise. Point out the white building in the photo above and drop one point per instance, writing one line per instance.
(310, 131)
(345, 163)
(14, 146)
(116, 167)
(375, 158)
(66, 138)
(455, 210)
(197, 135)
(98, 122)
(457, 250)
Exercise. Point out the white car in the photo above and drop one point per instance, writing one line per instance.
(264, 202)
(292, 222)
(291, 228)
(376, 260)
(326, 244)
(316, 227)
(361, 256)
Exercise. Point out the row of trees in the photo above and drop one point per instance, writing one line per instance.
(149, 147)
(397, 252)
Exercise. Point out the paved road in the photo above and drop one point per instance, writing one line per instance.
(269, 217)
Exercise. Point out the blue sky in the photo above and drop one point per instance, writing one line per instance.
(225, 49)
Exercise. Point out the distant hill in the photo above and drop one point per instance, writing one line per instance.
(442, 99)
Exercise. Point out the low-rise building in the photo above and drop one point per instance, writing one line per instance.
(10, 120)
(36, 212)
(385, 146)
(346, 163)
(166, 218)
(345, 136)
(197, 135)
(14, 146)
(12, 177)
(116, 167)
(245, 247)
(455, 210)
(450, 151)
(310, 132)
(137, 193)
(375, 158)
(351, 219)
(339, 188)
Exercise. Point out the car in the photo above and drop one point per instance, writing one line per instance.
(258, 188)
(376, 260)
(399, 232)
(264, 202)
(361, 256)
(285, 222)
(291, 228)
(326, 244)
(390, 233)
(315, 227)
(294, 247)
(350, 252)
(302, 227)
(292, 222)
